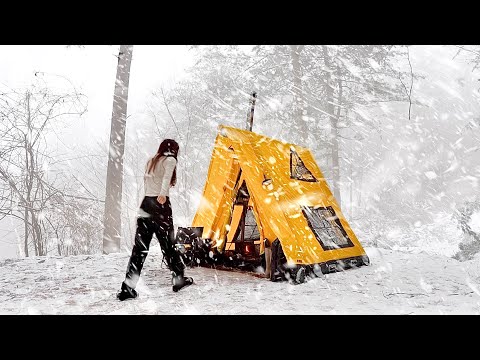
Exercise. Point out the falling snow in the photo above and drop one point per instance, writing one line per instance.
(395, 283)
(408, 173)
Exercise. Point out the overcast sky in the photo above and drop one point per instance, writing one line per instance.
(92, 70)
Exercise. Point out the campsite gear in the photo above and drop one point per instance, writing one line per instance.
(260, 190)
(179, 282)
(158, 221)
(126, 292)
(192, 248)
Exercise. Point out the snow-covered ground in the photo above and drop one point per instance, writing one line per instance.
(396, 282)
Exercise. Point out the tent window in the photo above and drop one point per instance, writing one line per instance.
(298, 170)
(248, 247)
(243, 195)
(327, 227)
(251, 228)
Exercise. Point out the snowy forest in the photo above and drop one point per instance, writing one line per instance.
(395, 130)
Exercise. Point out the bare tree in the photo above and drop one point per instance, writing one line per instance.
(74, 225)
(181, 103)
(28, 192)
(113, 198)
(472, 52)
(333, 123)
(408, 89)
(330, 84)
(298, 98)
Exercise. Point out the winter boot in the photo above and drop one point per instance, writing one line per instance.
(180, 281)
(126, 292)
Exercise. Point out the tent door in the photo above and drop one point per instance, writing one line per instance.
(247, 241)
(243, 237)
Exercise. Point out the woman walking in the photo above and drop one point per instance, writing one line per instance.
(156, 218)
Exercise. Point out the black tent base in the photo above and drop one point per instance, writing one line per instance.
(299, 274)
(196, 251)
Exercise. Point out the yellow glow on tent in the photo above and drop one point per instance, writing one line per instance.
(241, 155)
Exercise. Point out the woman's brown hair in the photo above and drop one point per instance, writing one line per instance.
(168, 147)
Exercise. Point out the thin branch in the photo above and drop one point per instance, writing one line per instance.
(408, 92)
(411, 84)
(83, 198)
(168, 110)
(468, 50)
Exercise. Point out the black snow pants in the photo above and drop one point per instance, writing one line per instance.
(160, 223)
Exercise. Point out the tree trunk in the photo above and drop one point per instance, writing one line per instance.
(113, 199)
(59, 249)
(28, 176)
(34, 237)
(37, 232)
(333, 127)
(298, 107)
(25, 220)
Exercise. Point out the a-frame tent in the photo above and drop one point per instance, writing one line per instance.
(278, 189)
